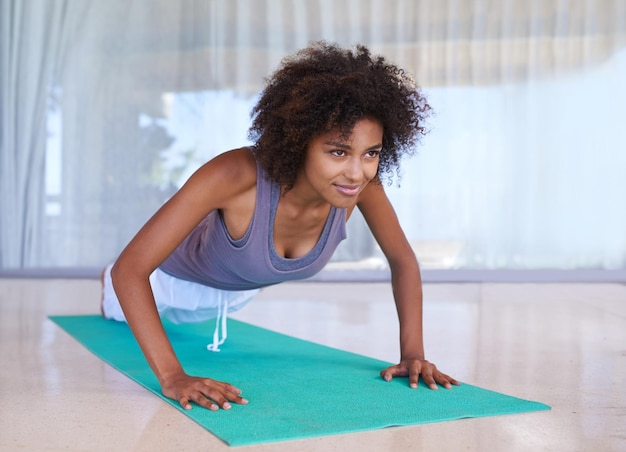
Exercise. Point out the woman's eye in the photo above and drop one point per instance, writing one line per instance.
(338, 152)
(373, 154)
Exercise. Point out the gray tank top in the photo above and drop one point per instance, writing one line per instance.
(211, 257)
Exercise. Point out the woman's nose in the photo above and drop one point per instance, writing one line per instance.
(354, 170)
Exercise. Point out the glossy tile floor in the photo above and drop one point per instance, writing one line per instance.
(561, 344)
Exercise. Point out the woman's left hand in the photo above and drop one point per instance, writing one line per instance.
(414, 368)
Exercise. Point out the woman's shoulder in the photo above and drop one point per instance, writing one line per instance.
(240, 162)
(222, 179)
(235, 169)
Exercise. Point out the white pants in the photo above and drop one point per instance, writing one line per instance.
(181, 301)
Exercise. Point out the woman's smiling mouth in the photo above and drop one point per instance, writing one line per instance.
(348, 190)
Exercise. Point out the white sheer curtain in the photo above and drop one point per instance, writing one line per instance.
(524, 167)
(32, 43)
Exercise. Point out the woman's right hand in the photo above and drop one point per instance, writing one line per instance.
(205, 392)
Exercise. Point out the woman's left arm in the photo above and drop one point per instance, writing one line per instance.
(406, 283)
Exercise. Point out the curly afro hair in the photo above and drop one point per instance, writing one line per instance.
(325, 88)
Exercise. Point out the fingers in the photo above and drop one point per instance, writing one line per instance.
(415, 369)
(207, 393)
(399, 370)
(446, 381)
(233, 394)
(211, 400)
(433, 378)
(215, 395)
(429, 379)
(414, 374)
(184, 402)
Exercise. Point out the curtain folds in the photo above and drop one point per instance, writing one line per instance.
(31, 36)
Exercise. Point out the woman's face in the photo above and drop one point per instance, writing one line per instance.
(337, 169)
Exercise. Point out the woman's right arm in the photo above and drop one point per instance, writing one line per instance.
(217, 185)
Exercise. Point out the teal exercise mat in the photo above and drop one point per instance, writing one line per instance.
(297, 389)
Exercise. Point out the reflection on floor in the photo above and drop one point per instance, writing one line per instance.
(561, 344)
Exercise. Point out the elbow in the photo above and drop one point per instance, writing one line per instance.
(128, 269)
(116, 272)
(122, 269)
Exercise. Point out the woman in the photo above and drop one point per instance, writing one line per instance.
(329, 126)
